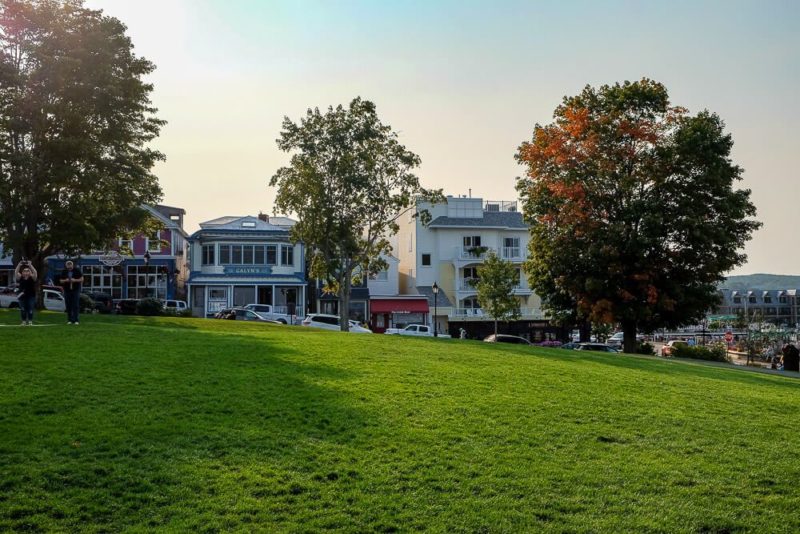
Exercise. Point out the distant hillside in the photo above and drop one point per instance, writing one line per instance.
(762, 281)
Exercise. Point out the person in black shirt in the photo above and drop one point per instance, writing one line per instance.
(26, 275)
(71, 280)
(791, 358)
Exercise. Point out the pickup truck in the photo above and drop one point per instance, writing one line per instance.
(266, 311)
(414, 330)
(53, 300)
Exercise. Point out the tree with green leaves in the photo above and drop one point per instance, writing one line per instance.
(633, 212)
(496, 281)
(75, 122)
(348, 182)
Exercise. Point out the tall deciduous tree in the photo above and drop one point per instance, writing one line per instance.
(75, 121)
(496, 281)
(634, 217)
(348, 182)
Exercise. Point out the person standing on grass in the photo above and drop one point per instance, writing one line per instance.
(26, 275)
(791, 358)
(71, 280)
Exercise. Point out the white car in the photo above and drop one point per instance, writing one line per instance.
(419, 330)
(265, 310)
(177, 305)
(331, 322)
(53, 300)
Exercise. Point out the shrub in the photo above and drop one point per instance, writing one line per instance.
(149, 307)
(86, 304)
(713, 353)
(646, 348)
(172, 312)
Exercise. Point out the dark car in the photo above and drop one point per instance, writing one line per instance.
(103, 303)
(569, 346)
(126, 306)
(504, 338)
(597, 347)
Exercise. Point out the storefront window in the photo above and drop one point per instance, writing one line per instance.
(102, 279)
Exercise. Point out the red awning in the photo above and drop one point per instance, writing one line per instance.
(399, 305)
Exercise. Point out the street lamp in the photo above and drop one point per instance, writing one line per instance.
(146, 258)
(435, 309)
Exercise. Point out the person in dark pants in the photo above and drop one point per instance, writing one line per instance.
(26, 275)
(71, 280)
(791, 358)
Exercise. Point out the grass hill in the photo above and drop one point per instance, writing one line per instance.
(761, 281)
(198, 426)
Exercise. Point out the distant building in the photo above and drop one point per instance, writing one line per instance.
(122, 271)
(448, 252)
(390, 309)
(238, 260)
(779, 306)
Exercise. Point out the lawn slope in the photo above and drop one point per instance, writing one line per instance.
(192, 425)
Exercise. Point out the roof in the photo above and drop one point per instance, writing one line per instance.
(442, 300)
(168, 223)
(490, 219)
(241, 226)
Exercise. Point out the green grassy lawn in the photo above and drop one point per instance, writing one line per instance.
(140, 424)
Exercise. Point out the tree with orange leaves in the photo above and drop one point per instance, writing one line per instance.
(633, 212)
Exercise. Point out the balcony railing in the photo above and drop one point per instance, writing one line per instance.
(473, 253)
(478, 313)
(512, 253)
(467, 284)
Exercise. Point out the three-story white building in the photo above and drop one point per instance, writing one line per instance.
(448, 252)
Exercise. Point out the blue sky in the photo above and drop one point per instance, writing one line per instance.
(463, 82)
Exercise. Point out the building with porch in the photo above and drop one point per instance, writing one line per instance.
(448, 252)
(235, 261)
(390, 309)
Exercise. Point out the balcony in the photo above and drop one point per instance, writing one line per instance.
(477, 314)
(512, 253)
(467, 284)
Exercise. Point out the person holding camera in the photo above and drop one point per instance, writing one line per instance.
(71, 280)
(26, 275)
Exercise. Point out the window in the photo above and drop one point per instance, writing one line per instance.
(272, 254)
(103, 279)
(208, 255)
(287, 255)
(154, 243)
(224, 254)
(767, 299)
(248, 224)
(259, 255)
(126, 245)
(751, 300)
(472, 241)
(247, 255)
(511, 247)
(426, 260)
(236, 254)
(782, 300)
(149, 281)
(737, 300)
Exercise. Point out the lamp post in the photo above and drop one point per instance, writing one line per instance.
(146, 258)
(435, 309)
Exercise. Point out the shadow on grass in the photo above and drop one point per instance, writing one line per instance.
(155, 432)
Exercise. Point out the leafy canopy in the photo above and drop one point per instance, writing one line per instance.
(496, 281)
(75, 121)
(633, 214)
(348, 181)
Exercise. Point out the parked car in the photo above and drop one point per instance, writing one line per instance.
(177, 305)
(597, 347)
(419, 330)
(504, 338)
(569, 346)
(243, 314)
(266, 310)
(126, 306)
(103, 303)
(331, 322)
(666, 350)
(225, 313)
(53, 300)
(619, 337)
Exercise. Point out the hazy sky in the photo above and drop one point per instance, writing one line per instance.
(463, 83)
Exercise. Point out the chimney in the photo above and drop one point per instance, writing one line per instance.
(263, 217)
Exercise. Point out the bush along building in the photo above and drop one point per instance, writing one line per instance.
(145, 266)
(235, 261)
(448, 252)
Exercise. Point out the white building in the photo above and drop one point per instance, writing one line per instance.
(388, 307)
(449, 250)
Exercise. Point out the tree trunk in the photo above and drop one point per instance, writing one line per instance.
(495, 327)
(344, 304)
(629, 344)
